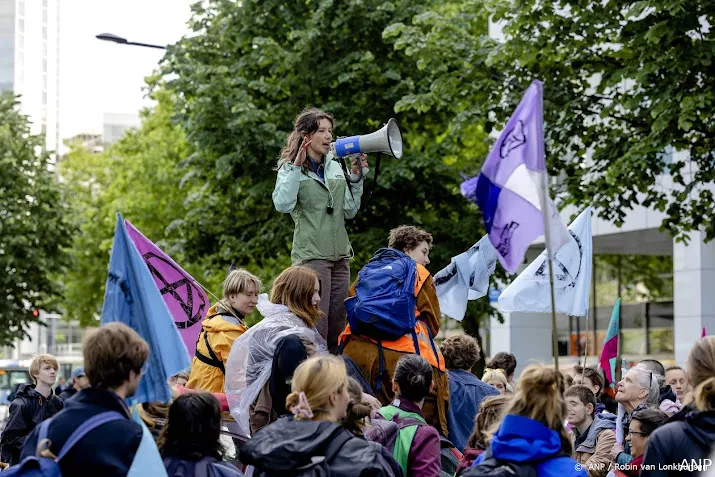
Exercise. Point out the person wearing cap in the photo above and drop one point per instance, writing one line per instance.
(79, 382)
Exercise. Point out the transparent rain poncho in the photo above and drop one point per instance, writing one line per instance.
(251, 359)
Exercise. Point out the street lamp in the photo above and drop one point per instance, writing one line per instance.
(124, 41)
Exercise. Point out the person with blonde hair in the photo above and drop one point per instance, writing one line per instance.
(223, 324)
(312, 187)
(33, 404)
(289, 319)
(496, 378)
(689, 438)
(314, 436)
(532, 432)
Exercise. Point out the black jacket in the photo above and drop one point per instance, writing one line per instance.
(67, 393)
(287, 444)
(666, 392)
(690, 437)
(107, 450)
(27, 410)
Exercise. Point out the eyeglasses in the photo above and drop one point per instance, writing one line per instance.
(642, 434)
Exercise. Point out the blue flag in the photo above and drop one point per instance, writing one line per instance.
(132, 298)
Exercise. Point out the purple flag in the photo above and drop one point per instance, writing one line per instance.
(184, 298)
(509, 190)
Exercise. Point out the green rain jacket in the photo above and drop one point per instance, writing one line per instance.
(318, 235)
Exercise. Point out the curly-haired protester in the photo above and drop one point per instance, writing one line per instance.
(189, 443)
(532, 432)
(490, 412)
(691, 436)
(376, 357)
(311, 186)
(292, 311)
(466, 391)
(314, 436)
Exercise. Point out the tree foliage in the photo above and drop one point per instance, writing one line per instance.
(626, 83)
(33, 224)
(136, 176)
(245, 73)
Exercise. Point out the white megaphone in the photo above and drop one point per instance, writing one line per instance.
(387, 140)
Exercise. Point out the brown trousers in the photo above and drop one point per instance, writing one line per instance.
(334, 285)
(366, 356)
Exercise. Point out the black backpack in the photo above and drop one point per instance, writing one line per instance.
(492, 467)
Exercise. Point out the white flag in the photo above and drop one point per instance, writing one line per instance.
(529, 292)
(465, 278)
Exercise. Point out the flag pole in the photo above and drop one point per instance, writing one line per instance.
(545, 214)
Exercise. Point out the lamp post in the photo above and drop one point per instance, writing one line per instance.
(124, 41)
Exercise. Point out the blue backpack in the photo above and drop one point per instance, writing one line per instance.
(36, 466)
(383, 307)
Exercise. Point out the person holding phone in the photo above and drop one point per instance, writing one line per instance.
(312, 187)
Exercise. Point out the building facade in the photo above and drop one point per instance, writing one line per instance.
(30, 62)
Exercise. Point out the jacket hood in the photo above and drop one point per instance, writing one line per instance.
(701, 427)
(288, 443)
(601, 422)
(520, 439)
(28, 391)
(217, 324)
(267, 308)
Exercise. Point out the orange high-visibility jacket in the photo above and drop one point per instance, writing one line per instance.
(427, 349)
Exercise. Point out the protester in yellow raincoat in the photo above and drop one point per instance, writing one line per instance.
(223, 324)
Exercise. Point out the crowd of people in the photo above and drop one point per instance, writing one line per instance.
(348, 380)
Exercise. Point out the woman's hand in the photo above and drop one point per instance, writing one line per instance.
(302, 154)
(363, 162)
(372, 401)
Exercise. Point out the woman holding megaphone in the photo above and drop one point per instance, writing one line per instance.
(312, 187)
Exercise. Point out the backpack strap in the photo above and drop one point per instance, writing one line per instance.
(79, 433)
(336, 444)
(381, 365)
(434, 348)
(213, 360)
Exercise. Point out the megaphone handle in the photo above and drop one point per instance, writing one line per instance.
(374, 181)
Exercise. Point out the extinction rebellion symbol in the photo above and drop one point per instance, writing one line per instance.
(182, 290)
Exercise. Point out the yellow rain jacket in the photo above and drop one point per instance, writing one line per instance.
(212, 349)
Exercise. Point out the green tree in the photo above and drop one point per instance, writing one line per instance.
(249, 68)
(247, 71)
(626, 84)
(138, 177)
(33, 224)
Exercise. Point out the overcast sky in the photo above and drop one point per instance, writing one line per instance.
(97, 76)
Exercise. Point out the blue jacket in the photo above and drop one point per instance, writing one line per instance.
(522, 439)
(108, 450)
(466, 393)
